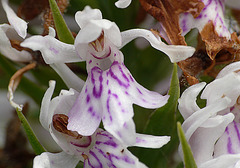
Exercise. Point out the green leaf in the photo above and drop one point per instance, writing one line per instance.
(63, 32)
(163, 122)
(37, 147)
(189, 161)
(166, 114)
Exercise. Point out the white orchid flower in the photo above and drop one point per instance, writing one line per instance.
(17, 30)
(213, 132)
(213, 11)
(100, 149)
(110, 89)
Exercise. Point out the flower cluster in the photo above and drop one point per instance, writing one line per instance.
(93, 121)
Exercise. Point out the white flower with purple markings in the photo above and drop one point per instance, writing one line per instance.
(110, 90)
(214, 12)
(17, 30)
(100, 149)
(213, 132)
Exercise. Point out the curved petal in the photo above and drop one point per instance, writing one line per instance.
(82, 17)
(216, 90)
(233, 67)
(213, 11)
(199, 117)
(187, 103)
(88, 33)
(19, 24)
(203, 139)
(6, 48)
(123, 3)
(174, 52)
(117, 105)
(70, 78)
(45, 114)
(86, 113)
(224, 161)
(59, 160)
(149, 141)
(53, 51)
(109, 151)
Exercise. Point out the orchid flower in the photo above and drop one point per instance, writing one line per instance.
(110, 90)
(214, 12)
(17, 30)
(213, 131)
(100, 149)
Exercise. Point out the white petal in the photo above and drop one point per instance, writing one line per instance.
(45, 113)
(122, 91)
(86, 113)
(70, 78)
(149, 141)
(59, 160)
(224, 161)
(123, 3)
(83, 17)
(223, 87)
(88, 33)
(19, 24)
(203, 139)
(199, 117)
(6, 48)
(233, 67)
(187, 103)
(53, 51)
(176, 53)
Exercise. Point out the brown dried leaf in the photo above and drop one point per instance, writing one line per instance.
(167, 13)
(215, 44)
(15, 80)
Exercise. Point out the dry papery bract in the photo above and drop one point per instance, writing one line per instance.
(167, 13)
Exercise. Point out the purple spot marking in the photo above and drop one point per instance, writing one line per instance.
(88, 98)
(120, 82)
(99, 163)
(139, 140)
(108, 109)
(126, 93)
(96, 93)
(102, 57)
(54, 50)
(90, 62)
(237, 130)
(139, 91)
(232, 108)
(229, 146)
(83, 145)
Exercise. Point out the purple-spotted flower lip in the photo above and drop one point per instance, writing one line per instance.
(219, 121)
(98, 150)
